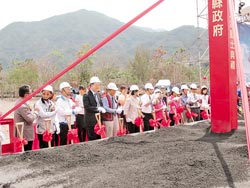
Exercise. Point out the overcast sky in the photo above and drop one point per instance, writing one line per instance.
(168, 15)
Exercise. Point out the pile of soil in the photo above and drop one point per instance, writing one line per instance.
(182, 156)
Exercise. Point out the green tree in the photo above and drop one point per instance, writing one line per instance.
(140, 67)
(82, 72)
(23, 72)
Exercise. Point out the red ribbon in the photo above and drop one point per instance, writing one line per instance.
(47, 136)
(19, 142)
(121, 132)
(194, 114)
(180, 109)
(153, 123)
(177, 118)
(72, 135)
(205, 115)
(100, 130)
(166, 123)
(138, 121)
(190, 114)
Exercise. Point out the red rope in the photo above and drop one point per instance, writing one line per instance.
(102, 43)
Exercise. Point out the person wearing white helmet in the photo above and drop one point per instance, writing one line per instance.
(92, 104)
(147, 106)
(194, 101)
(159, 105)
(110, 118)
(174, 102)
(66, 111)
(183, 98)
(46, 111)
(132, 109)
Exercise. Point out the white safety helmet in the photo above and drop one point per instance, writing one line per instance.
(48, 88)
(63, 85)
(157, 91)
(112, 86)
(134, 87)
(149, 86)
(184, 86)
(203, 87)
(176, 90)
(94, 79)
(193, 86)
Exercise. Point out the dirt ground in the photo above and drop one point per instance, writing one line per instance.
(185, 156)
(182, 156)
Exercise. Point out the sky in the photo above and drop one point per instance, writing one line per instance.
(169, 15)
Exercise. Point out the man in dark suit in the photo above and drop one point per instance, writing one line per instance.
(92, 104)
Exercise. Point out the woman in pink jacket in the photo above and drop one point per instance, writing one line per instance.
(174, 102)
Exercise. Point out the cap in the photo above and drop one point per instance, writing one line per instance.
(48, 88)
(112, 86)
(184, 86)
(193, 86)
(94, 79)
(149, 86)
(63, 85)
(134, 87)
(176, 90)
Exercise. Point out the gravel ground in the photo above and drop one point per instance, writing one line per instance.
(185, 156)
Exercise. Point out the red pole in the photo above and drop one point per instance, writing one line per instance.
(241, 76)
(99, 45)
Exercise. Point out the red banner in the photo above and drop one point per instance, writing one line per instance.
(222, 68)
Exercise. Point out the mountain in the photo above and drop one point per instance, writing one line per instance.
(68, 32)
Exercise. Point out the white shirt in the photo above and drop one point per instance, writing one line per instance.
(145, 98)
(65, 107)
(193, 99)
(45, 113)
(79, 103)
(204, 103)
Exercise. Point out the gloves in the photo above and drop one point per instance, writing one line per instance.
(101, 109)
(118, 110)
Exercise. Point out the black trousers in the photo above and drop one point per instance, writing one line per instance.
(91, 134)
(171, 117)
(147, 117)
(197, 111)
(43, 144)
(80, 125)
(28, 146)
(132, 128)
(63, 133)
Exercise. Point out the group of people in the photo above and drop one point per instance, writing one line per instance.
(59, 114)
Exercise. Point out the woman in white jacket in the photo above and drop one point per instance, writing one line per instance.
(132, 109)
(205, 103)
(46, 111)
